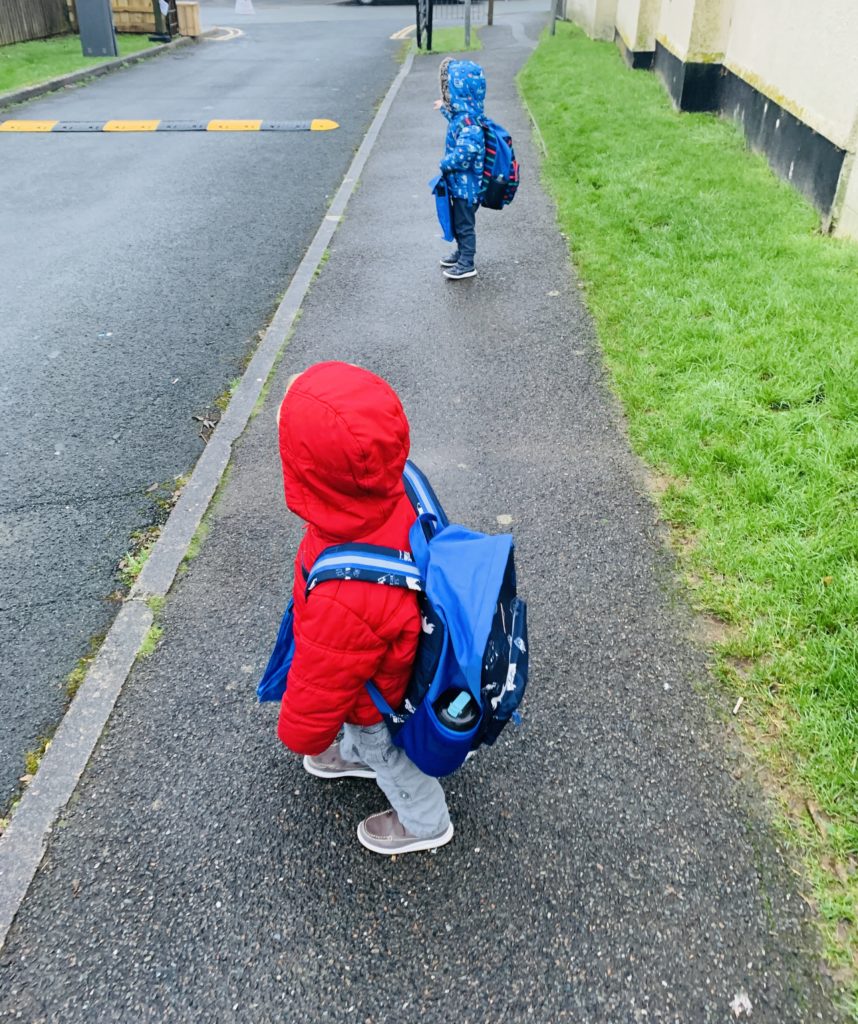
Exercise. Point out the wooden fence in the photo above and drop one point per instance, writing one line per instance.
(21, 20)
(128, 15)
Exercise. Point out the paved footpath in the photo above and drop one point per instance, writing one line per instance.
(607, 865)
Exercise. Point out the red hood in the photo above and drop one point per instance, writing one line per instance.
(343, 445)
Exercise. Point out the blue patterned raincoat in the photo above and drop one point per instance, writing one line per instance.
(465, 150)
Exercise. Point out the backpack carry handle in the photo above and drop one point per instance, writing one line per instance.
(425, 527)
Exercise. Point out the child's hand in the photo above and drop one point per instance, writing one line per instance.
(438, 104)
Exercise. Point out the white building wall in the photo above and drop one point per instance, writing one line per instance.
(847, 217)
(636, 23)
(711, 29)
(596, 17)
(802, 54)
(674, 26)
(845, 212)
(695, 30)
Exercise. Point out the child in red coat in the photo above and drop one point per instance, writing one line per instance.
(344, 440)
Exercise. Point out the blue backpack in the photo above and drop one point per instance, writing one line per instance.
(501, 171)
(443, 207)
(470, 671)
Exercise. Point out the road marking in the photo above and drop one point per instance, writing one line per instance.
(130, 126)
(234, 126)
(319, 124)
(404, 33)
(228, 33)
(27, 126)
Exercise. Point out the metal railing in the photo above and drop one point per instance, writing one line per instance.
(431, 14)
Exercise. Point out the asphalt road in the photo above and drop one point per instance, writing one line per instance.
(609, 866)
(135, 272)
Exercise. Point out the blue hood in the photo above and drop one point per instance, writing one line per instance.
(467, 85)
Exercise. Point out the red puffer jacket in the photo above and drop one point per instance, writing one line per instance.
(343, 444)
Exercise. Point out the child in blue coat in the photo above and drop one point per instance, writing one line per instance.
(463, 90)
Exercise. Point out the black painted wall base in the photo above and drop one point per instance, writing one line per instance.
(639, 60)
(691, 86)
(795, 152)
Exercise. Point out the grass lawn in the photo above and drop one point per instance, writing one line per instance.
(23, 64)
(729, 325)
(452, 40)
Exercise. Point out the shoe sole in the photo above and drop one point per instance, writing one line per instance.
(446, 265)
(460, 277)
(355, 773)
(413, 847)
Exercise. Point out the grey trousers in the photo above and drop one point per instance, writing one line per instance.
(418, 799)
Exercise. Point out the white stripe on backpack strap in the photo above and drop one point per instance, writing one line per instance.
(425, 501)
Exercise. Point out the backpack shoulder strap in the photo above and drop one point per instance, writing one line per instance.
(493, 126)
(367, 563)
(421, 495)
(377, 698)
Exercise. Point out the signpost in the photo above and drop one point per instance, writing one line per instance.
(424, 23)
(95, 23)
(555, 14)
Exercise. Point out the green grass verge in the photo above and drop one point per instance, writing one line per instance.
(730, 327)
(150, 641)
(452, 40)
(132, 562)
(33, 758)
(75, 678)
(23, 64)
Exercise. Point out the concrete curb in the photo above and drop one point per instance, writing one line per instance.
(8, 99)
(23, 844)
(537, 131)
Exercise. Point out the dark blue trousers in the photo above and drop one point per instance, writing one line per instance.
(464, 229)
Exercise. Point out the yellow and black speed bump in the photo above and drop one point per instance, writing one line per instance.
(318, 124)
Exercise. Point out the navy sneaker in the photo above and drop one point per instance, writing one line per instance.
(460, 271)
(451, 260)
